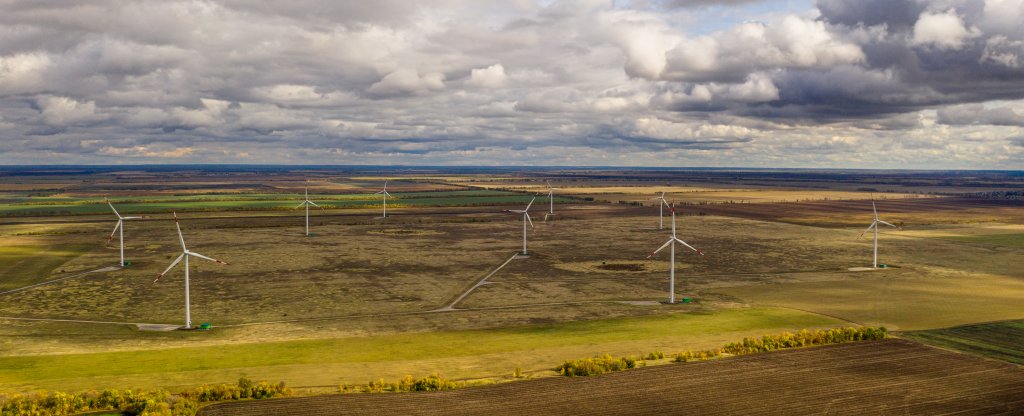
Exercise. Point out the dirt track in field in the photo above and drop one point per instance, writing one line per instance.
(883, 377)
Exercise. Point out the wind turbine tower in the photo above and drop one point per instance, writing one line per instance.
(306, 202)
(385, 194)
(661, 210)
(526, 219)
(874, 226)
(185, 254)
(119, 226)
(672, 256)
(551, 201)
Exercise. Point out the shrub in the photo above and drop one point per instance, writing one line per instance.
(136, 402)
(656, 355)
(596, 365)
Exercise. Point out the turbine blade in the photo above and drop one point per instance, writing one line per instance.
(517, 211)
(313, 204)
(113, 232)
(131, 218)
(866, 230)
(691, 247)
(875, 210)
(180, 237)
(192, 253)
(660, 248)
(174, 263)
(112, 208)
(528, 218)
(300, 205)
(893, 226)
(663, 201)
(531, 203)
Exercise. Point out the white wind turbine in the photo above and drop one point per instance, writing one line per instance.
(661, 210)
(119, 226)
(526, 219)
(551, 201)
(185, 254)
(672, 256)
(874, 225)
(385, 194)
(306, 202)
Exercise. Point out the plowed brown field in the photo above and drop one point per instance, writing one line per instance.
(883, 377)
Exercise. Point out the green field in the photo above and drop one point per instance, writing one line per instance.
(22, 265)
(359, 359)
(50, 206)
(999, 340)
(1007, 240)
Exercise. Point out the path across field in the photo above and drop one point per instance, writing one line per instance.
(882, 377)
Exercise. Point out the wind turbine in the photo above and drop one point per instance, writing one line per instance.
(672, 256)
(384, 192)
(306, 202)
(184, 254)
(661, 210)
(874, 225)
(119, 226)
(526, 218)
(551, 201)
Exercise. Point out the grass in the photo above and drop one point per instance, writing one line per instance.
(1000, 340)
(26, 264)
(899, 299)
(1006, 240)
(476, 353)
(55, 206)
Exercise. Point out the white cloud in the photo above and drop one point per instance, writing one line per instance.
(407, 81)
(943, 30)
(64, 111)
(23, 72)
(490, 77)
(582, 82)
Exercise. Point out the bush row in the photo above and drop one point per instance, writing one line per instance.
(597, 365)
(803, 338)
(136, 402)
(407, 383)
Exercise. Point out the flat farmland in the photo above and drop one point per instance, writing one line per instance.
(881, 377)
(1000, 340)
(851, 213)
(14, 206)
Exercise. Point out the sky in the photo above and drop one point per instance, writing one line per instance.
(684, 83)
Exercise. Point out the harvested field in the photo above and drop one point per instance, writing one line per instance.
(843, 213)
(891, 377)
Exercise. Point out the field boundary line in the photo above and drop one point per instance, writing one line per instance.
(817, 313)
(103, 270)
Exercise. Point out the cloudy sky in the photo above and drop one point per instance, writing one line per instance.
(783, 83)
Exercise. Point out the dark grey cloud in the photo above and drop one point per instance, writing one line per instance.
(458, 81)
(897, 16)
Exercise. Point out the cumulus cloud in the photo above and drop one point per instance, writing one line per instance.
(491, 77)
(943, 30)
(407, 81)
(64, 111)
(547, 82)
